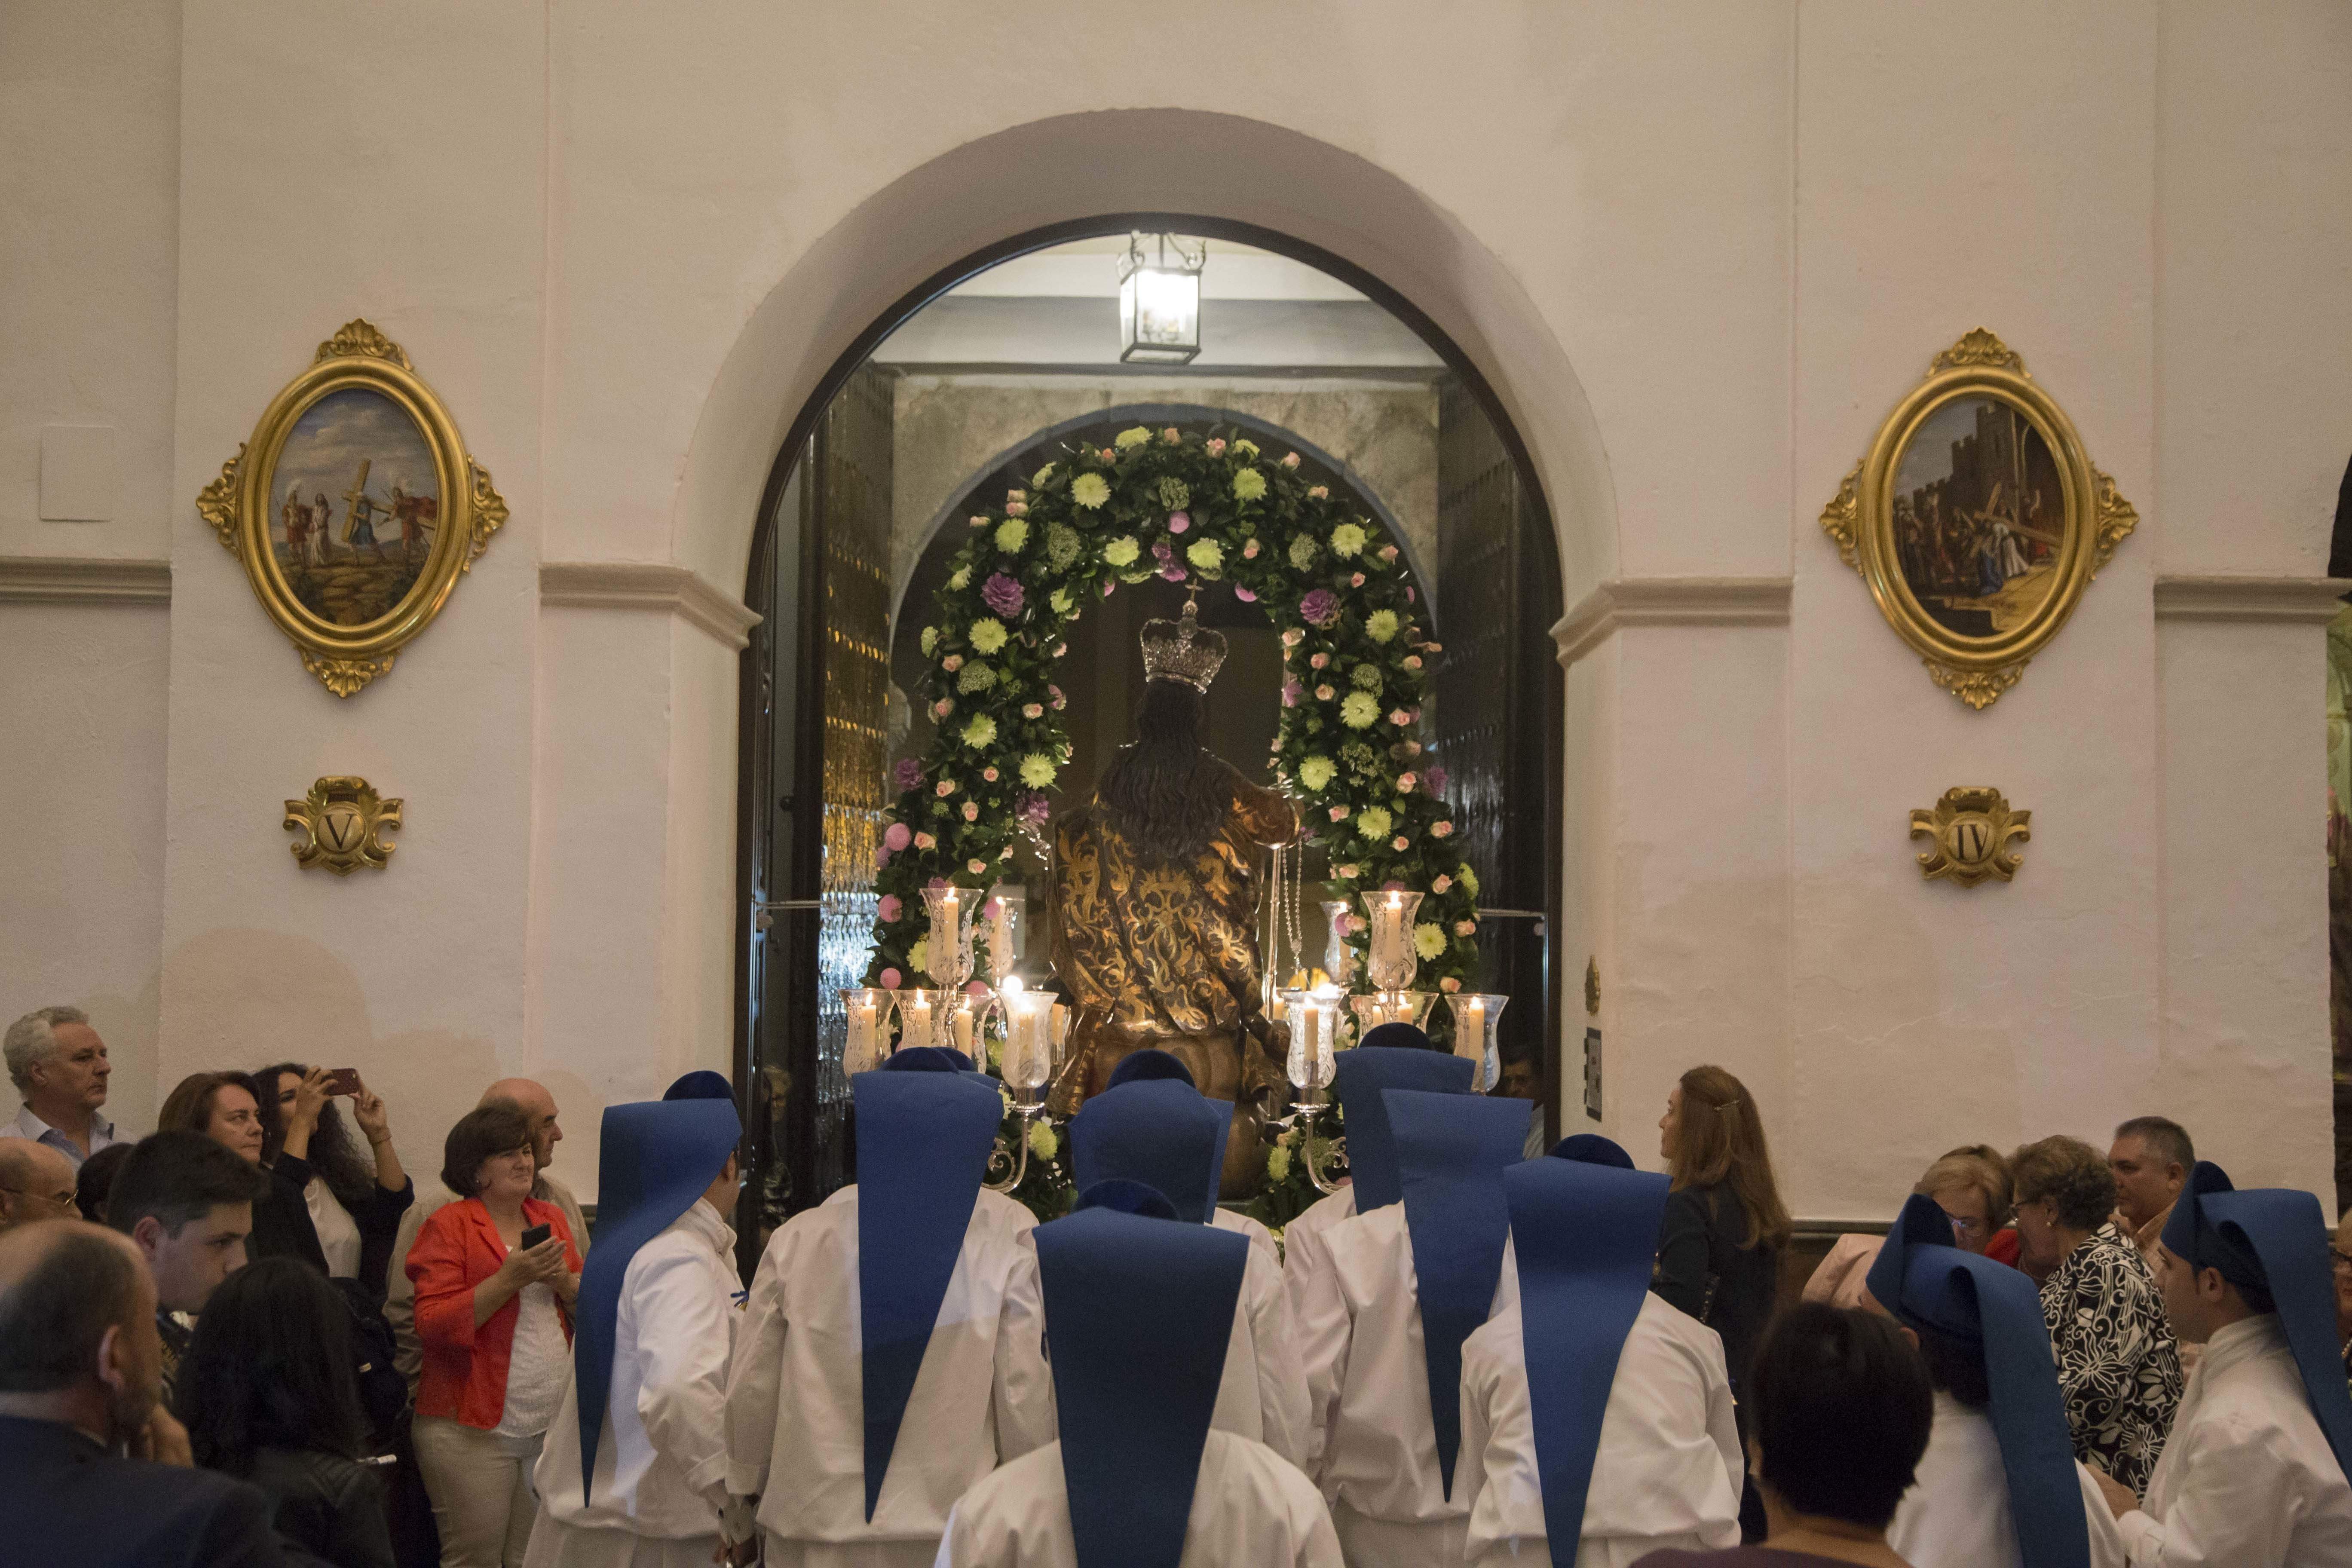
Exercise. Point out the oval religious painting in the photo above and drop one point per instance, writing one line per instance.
(358, 506)
(355, 508)
(1977, 519)
(1979, 514)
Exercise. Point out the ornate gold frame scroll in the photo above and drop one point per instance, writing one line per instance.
(238, 505)
(2096, 518)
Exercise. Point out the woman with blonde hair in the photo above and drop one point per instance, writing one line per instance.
(1720, 1242)
(1970, 1185)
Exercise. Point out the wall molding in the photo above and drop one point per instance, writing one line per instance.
(648, 586)
(1670, 602)
(76, 579)
(2309, 600)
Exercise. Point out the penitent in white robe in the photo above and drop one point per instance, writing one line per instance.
(661, 1462)
(1306, 1253)
(1251, 1509)
(2246, 1479)
(796, 1412)
(1263, 1394)
(1956, 1514)
(1368, 1385)
(1668, 1470)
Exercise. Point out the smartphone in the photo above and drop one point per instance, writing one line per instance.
(343, 1080)
(533, 1237)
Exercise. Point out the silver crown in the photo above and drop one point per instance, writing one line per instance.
(1181, 650)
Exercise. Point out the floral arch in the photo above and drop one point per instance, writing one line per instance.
(1190, 508)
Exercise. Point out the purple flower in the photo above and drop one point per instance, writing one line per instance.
(1163, 552)
(910, 773)
(1291, 692)
(1244, 596)
(1033, 809)
(888, 908)
(1002, 593)
(1173, 573)
(1320, 607)
(1433, 776)
(1178, 522)
(896, 836)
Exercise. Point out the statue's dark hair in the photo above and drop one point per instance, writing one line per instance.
(1165, 794)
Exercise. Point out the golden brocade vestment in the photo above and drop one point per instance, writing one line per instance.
(1166, 957)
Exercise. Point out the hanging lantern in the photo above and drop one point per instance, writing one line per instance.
(1159, 302)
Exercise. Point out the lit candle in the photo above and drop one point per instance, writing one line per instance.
(960, 1024)
(863, 1051)
(1474, 1037)
(999, 937)
(915, 1017)
(946, 935)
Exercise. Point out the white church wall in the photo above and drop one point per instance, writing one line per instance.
(1700, 255)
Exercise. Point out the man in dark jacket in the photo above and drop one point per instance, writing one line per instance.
(96, 1473)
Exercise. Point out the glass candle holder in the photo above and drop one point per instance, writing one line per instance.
(919, 1008)
(866, 1008)
(1314, 1020)
(1002, 922)
(1377, 1007)
(955, 914)
(1028, 1063)
(1339, 958)
(1477, 1034)
(1393, 962)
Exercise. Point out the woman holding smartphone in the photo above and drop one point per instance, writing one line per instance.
(496, 1276)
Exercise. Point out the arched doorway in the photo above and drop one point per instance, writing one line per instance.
(827, 572)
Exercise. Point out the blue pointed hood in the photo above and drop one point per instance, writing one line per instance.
(1584, 1232)
(1139, 1312)
(2273, 1239)
(657, 1156)
(1451, 1152)
(1157, 1130)
(1357, 1078)
(699, 1084)
(923, 1139)
(1932, 1285)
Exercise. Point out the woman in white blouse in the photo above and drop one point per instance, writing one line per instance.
(354, 1199)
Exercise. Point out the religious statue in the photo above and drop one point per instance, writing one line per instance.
(1154, 904)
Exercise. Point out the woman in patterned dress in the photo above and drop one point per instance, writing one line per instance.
(2118, 1364)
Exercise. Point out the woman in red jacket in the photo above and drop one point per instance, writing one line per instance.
(494, 1319)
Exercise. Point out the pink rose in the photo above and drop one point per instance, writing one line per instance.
(1060, 648)
(1059, 701)
(1442, 883)
(1318, 662)
(945, 788)
(1432, 648)
(979, 520)
(1405, 783)
(1293, 638)
(1032, 710)
(1216, 447)
(1413, 661)
(972, 811)
(1465, 928)
(942, 707)
(1016, 509)
(1249, 551)
(1357, 580)
(1388, 553)
(925, 841)
(1345, 874)
(890, 906)
(1290, 459)
(988, 773)
(1400, 718)
(1440, 830)
(889, 979)
(953, 663)
(1171, 435)
(1108, 456)
(1178, 522)
(977, 867)
(896, 836)
(1400, 844)
(1449, 984)
(1322, 694)
(1338, 814)
(1318, 493)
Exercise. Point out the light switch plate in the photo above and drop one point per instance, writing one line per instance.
(78, 473)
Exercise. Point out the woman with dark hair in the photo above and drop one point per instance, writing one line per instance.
(1838, 1410)
(354, 1202)
(1720, 1245)
(267, 1393)
(220, 1105)
(493, 1317)
(96, 1179)
(1155, 897)
(2118, 1363)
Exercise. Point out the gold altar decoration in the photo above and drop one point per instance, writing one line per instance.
(342, 821)
(1977, 519)
(296, 506)
(1972, 827)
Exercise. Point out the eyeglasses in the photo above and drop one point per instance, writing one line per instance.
(2341, 1258)
(61, 1201)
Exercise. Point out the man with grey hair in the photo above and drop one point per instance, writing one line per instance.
(2151, 1158)
(58, 1066)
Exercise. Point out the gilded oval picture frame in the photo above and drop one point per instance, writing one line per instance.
(354, 508)
(1977, 519)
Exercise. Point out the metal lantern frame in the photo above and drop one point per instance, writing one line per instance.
(1141, 279)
